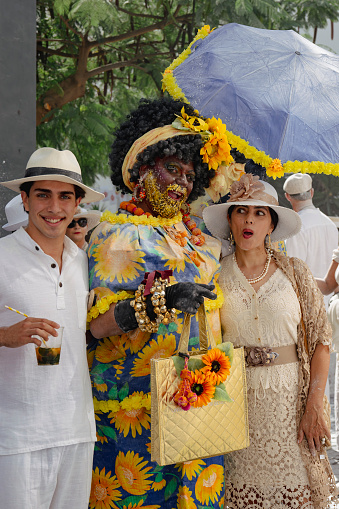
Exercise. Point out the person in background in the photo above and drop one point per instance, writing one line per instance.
(15, 214)
(328, 285)
(83, 222)
(47, 425)
(318, 237)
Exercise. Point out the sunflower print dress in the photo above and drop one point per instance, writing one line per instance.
(121, 250)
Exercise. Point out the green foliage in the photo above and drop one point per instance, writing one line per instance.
(97, 58)
(221, 394)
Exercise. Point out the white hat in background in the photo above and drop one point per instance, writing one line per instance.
(248, 190)
(59, 165)
(298, 183)
(15, 214)
(92, 216)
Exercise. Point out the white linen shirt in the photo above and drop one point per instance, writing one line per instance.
(44, 406)
(315, 242)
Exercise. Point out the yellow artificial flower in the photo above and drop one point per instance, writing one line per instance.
(275, 169)
(118, 258)
(209, 484)
(133, 413)
(131, 473)
(217, 365)
(203, 388)
(185, 500)
(190, 468)
(104, 490)
(162, 348)
(111, 405)
(141, 220)
(134, 420)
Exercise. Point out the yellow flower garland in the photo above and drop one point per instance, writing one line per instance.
(104, 303)
(274, 167)
(137, 220)
(168, 80)
(210, 305)
(132, 402)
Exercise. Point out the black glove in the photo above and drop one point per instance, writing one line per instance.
(188, 297)
(124, 315)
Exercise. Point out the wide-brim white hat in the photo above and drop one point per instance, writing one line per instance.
(15, 214)
(92, 216)
(256, 193)
(59, 165)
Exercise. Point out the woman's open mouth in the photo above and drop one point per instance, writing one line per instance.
(247, 234)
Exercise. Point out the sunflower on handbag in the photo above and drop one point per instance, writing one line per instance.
(203, 379)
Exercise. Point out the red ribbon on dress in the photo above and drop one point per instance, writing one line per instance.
(150, 276)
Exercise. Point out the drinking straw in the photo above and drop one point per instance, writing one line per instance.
(23, 314)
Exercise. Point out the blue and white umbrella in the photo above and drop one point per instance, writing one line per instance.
(273, 88)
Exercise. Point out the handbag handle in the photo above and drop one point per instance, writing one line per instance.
(204, 332)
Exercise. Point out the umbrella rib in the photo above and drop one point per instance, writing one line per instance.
(289, 110)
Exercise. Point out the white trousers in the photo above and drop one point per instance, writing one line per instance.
(56, 478)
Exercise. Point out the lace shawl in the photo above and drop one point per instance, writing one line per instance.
(313, 329)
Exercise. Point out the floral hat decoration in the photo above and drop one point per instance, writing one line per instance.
(216, 151)
(249, 190)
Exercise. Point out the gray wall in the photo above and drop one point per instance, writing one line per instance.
(17, 92)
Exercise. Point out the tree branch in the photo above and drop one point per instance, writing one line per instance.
(50, 51)
(123, 63)
(66, 22)
(137, 14)
(140, 31)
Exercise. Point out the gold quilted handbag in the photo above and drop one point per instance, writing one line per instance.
(216, 428)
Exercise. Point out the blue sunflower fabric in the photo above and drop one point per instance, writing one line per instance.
(121, 250)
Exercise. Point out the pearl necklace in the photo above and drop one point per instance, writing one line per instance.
(262, 275)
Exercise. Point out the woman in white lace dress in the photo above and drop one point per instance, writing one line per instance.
(274, 309)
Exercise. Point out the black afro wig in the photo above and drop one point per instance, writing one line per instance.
(149, 115)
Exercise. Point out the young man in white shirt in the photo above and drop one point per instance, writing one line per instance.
(47, 427)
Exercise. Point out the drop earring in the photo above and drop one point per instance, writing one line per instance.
(139, 192)
(269, 242)
(231, 241)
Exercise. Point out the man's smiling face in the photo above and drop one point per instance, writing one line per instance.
(51, 206)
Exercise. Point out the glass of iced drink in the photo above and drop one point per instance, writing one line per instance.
(48, 353)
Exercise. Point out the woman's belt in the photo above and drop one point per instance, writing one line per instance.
(265, 356)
